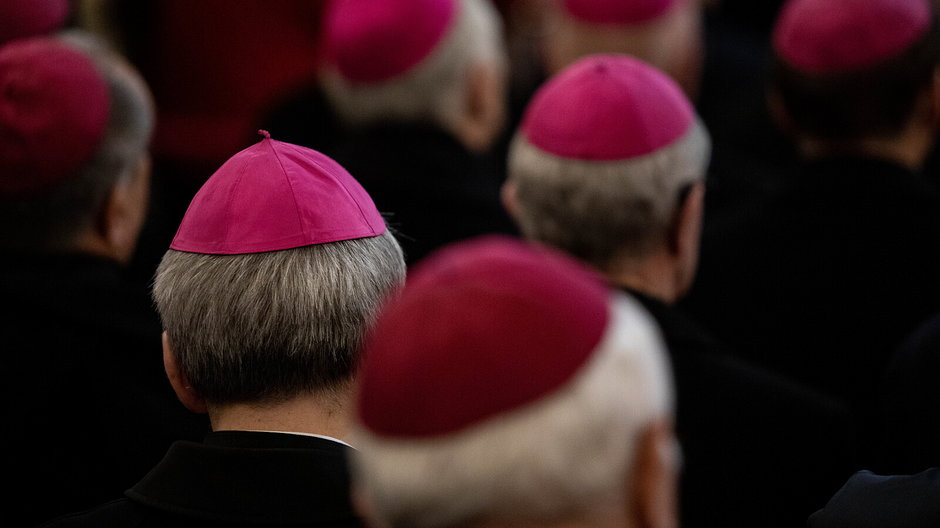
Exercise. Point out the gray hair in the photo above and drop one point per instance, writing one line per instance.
(51, 220)
(264, 327)
(600, 211)
(565, 456)
(433, 91)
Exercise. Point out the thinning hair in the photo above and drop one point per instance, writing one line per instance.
(870, 102)
(265, 327)
(603, 212)
(52, 219)
(435, 90)
(566, 456)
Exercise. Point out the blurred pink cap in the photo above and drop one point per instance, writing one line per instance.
(370, 41)
(31, 18)
(54, 110)
(607, 108)
(824, 36)
(483, 327)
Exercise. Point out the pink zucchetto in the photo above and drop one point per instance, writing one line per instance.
(482, 327)
(54, 110)
(31, 18)
(370, 41)
(620, 12)
(607, 108)
(274, 196)
(505, 382)
(830, 36)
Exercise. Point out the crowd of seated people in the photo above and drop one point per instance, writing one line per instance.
(470, 263)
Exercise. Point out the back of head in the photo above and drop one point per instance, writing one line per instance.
(853, 69)
(275, 272)
(664, 33)
(75, 120)
(407, 60)
(600, 164)
(529, 390)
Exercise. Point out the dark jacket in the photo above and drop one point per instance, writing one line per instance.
(874, 501)
(759, 449)
(236, 478)
(910, 405)
(823, 280)
(430, 189)
(85, 395)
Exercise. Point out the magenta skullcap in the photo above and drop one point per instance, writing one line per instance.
(371, 41)
(826, 36)
(274, 196)
(482, 327)
(607, 108)
(54, 110)
(31, 18)
(617, 11)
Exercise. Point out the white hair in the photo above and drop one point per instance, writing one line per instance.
(604, 211)
(562, 456)
(434, 90)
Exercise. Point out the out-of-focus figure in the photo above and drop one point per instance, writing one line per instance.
(508, 386)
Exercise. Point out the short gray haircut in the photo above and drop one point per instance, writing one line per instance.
(566, 456)
(265, 327)
(51, 220)
(605, 211)
(434, 91)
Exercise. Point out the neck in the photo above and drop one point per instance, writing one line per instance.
(475, 136)
(909, 149)
(655, 276)
(608, 521)
(312, 414)
(90, 244)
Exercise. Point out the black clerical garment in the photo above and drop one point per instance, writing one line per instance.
(236, 478)
(874, 501)
(910, 405)
(822, 280)
(758, 449)
(431, 190)
(85, 398)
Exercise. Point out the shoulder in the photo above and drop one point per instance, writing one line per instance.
(870, 500)
(115, 514)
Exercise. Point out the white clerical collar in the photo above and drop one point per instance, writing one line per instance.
(324, 437)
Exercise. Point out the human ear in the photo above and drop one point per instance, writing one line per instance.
(181, 386)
